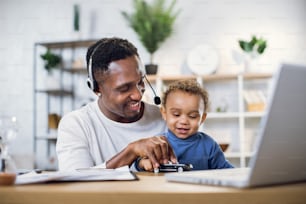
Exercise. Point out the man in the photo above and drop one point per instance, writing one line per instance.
(118, 127)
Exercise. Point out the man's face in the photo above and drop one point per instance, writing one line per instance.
(121, 90)
(184, 113)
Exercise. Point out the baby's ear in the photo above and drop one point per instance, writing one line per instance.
(163, 112)
(203, 117)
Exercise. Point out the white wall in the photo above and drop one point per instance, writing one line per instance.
(217, 22)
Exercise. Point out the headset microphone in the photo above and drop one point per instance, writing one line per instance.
(157, 100)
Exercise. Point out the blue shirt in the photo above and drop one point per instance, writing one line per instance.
(200, 150)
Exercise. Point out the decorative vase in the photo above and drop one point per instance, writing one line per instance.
(52, 82)
(151, 69)
(250, 63)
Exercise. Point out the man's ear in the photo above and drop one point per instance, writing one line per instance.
(163, 112)
(203, 118)
(99, 91)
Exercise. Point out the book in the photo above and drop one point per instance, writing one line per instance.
(255, 100)
(85, 174)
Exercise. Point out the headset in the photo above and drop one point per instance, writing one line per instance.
(93, 85)
(91, 82)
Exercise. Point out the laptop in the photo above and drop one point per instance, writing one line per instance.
(280, 155)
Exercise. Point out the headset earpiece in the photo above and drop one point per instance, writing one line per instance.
(92, 85)
(90, 80)
(89, 83)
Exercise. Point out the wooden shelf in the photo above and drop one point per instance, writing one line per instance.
(47, 137)
(56, 92)
(212, 115)
(211, 77)
(67, 44)
(76, 71)
(230, 154)
(253, 114)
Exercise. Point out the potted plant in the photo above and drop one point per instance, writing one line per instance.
(51, 60)
(256, 46)
(253, 48)
(153, 24)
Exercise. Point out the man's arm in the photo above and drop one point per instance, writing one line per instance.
(156, 149)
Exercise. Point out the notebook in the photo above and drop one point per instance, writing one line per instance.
(280, 148)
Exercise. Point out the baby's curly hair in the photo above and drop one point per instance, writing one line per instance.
(189, 86)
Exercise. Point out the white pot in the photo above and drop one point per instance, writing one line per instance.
(52, 82)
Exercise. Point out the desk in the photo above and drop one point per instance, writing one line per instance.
(149, 188)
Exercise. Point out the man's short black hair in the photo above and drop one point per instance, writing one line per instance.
(107, 50)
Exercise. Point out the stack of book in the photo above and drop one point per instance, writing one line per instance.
(255, 100)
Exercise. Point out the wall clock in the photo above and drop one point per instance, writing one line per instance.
(203, 59)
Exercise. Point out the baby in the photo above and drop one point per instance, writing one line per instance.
(184, 108)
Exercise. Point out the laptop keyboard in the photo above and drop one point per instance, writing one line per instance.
(227, 173)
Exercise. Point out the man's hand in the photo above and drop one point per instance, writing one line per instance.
(145, 164)
(156, 149)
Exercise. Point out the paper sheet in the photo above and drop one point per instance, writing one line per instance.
(86, 174)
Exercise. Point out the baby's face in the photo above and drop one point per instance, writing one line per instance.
(184, 113)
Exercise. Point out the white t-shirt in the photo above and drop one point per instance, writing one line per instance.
(87, 138)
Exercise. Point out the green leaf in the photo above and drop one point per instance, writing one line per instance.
(245, 46)
(261, 47)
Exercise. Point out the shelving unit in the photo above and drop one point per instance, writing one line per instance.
(49, 100)
(236, 125)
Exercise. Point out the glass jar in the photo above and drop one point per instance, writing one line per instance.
(8, 133)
